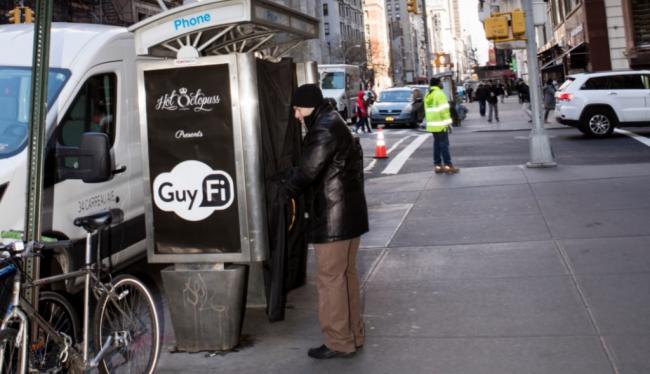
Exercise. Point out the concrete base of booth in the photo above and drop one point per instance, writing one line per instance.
(206, 304)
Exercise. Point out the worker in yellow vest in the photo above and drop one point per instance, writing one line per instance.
(438, 120)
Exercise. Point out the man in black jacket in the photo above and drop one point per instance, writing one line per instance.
(481, 96)
(493, 101)
(332, 166)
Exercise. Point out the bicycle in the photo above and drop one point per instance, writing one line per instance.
(126, 334)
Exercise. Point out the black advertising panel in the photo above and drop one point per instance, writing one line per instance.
(192, 160)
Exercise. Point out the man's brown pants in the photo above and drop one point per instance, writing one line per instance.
(339, 296)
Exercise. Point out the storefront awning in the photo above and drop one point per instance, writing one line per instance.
(215, 27)
(576, 54)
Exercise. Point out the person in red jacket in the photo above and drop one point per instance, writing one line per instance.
(362, 112)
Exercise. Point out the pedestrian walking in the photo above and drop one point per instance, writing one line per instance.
(481, 96)
(493, 102)
(524, 98)
(331, 167)
(470, 92)
(362, 112)
(549, 98)
(438, 119)
(502, 92)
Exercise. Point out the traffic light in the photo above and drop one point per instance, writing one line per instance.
(14, 15)
(412, 6)
(442, 59)
(29, 15)
(518, 20)
(496, 27)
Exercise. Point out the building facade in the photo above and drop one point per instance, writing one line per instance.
(343, 32)
(594, 35)
(377, 42)
(403, 49)
(108, 12)
(448, 37)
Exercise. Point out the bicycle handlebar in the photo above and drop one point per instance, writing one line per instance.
(21, 249)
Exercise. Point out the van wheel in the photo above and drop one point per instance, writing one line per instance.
(598, 122)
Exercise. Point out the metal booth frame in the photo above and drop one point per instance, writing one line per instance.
(238, 32)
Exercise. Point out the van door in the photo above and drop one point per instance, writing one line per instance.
(96, 107)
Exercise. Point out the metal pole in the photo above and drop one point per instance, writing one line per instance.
(40, 64)
(426, 40)
(541, 154)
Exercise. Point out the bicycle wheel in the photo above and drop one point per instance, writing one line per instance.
(128, 312)
(57, 311)
(10, 353)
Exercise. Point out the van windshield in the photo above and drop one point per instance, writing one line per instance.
(332, 81)
(15, 91)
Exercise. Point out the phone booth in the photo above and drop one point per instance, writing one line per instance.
(216, 123)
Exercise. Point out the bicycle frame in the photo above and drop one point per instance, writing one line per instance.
(20, 310)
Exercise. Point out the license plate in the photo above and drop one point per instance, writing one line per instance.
(389, 119)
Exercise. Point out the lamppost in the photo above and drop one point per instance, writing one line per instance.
(541, 154)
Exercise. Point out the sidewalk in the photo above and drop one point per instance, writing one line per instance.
(495, 270)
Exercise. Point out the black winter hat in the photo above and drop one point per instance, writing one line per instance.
(307, 96)
(434, 82)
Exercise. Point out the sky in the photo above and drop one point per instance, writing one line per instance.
(469, 17)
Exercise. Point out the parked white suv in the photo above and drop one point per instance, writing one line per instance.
(596, 103)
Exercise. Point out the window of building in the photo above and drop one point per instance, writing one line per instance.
(326, 28)
(556, 12)
(640, 10)
(343, 36)
(325, 10)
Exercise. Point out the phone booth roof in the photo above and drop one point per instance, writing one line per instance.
(218, 27)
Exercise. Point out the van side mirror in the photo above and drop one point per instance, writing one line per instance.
(90, 162)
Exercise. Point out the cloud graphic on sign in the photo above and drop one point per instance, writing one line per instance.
(193, 191)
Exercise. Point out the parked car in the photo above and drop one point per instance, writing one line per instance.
(396, 106)
(596, 103)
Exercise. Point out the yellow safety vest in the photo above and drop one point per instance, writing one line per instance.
(436, 109)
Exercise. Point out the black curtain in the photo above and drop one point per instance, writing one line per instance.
(286, 267)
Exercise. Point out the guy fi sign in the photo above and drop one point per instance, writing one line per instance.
(193, 190)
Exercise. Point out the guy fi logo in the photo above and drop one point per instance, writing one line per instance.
(193, 190)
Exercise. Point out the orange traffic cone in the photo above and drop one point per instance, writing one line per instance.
(380, 148)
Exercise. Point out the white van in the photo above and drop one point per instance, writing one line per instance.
(91, 88)
(341, 83)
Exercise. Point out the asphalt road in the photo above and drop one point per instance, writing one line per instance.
(477, 148)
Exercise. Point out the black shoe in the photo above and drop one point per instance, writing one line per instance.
(323, 352)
